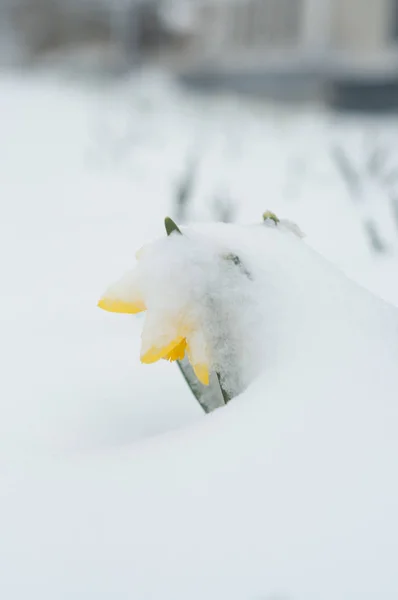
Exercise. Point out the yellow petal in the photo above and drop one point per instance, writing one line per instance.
(120, 306)
(178, 351)
(155, 353)
(124, 296)
(202, 373)
(198, 356)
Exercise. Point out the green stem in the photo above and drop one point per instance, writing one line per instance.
(194, 390)
(225, 394)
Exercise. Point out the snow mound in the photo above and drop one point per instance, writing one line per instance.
(248, 289)
(287, 492)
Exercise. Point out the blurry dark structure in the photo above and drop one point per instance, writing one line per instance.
(121, 31)
(341, 51)
(344, 52)
(38, 26)
(366, 93)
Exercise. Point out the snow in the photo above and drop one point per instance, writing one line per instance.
(178, 280)
(112, 482)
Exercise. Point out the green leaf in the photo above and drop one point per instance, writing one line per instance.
(270, 215)
(171, 226)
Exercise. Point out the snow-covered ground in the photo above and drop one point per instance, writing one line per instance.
(233, 505)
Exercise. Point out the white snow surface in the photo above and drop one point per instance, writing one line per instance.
(287, 488)
(288, 492)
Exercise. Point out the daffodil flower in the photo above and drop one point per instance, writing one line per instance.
(170, 340)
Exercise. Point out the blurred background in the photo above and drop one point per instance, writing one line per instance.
(331, 50)
(207, 109)
(116, 113)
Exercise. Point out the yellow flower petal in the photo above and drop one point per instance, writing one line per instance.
(119, 306)
(202, 373)
(124, 296)
(178, 351)
(198, 356)
(155, 353)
